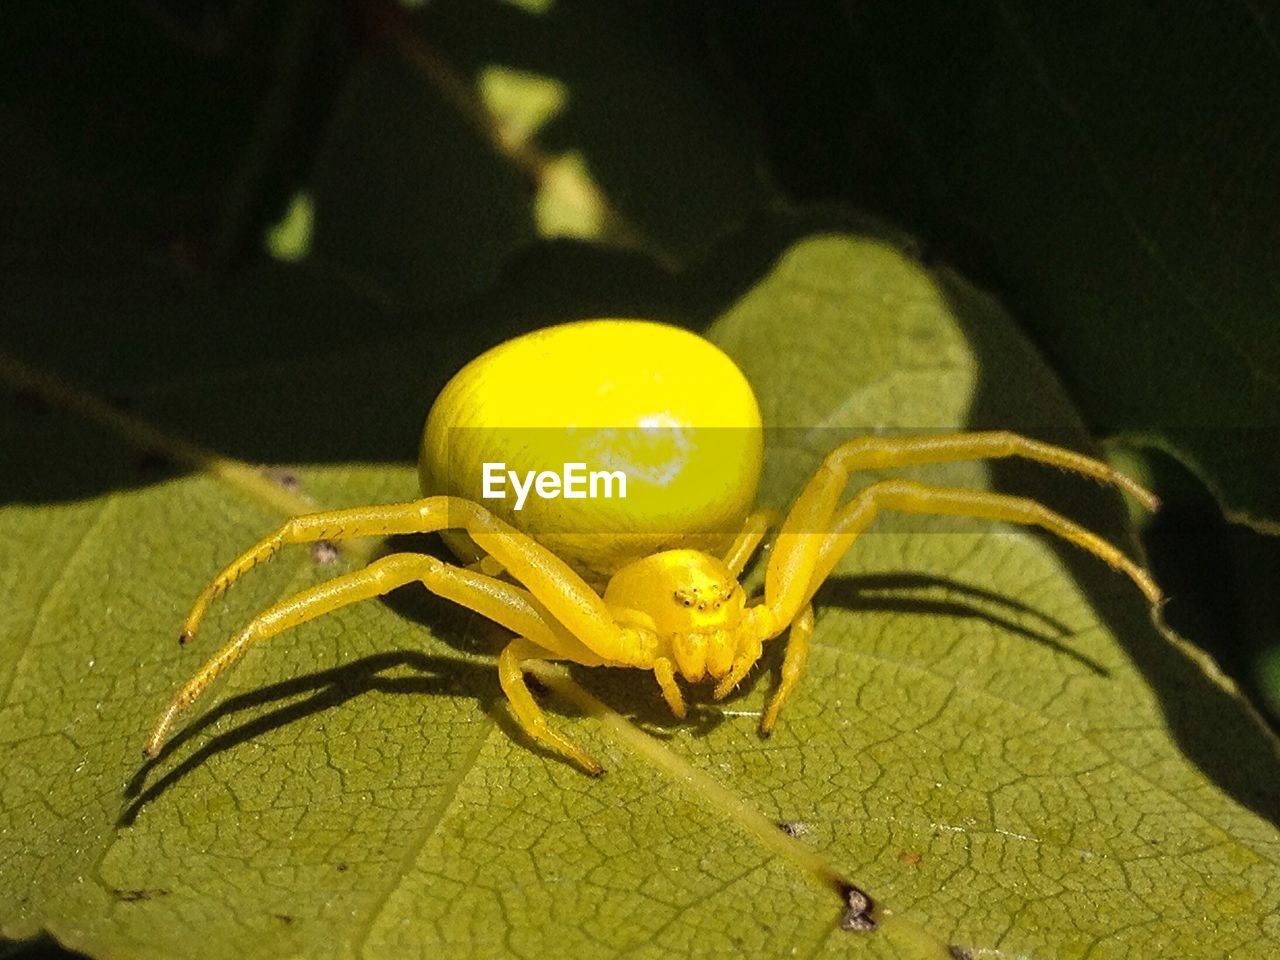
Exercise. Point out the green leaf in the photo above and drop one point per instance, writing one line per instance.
(1110, 166)
(991, 738)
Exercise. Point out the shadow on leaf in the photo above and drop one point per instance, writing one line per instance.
(1208, 722)
(324, 690)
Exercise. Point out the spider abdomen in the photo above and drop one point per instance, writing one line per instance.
(660, 405)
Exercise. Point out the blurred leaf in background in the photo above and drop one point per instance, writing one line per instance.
(1110, 169)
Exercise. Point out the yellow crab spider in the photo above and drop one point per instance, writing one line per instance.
(676, 417)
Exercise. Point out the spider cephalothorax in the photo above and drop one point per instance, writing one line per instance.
(600, 387)
(692, 603)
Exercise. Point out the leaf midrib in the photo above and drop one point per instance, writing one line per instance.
(448, 795)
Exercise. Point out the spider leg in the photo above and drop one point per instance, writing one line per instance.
(379, 520)
(568, 598)
(749, 539)
(528, 714)
(818, 554)
(793, 662)
(742, 664)
(665, 673)
(908, 496)
(800, 540)
(874, 453)
(505, 603)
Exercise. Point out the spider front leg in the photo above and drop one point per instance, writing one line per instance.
(816, 534)
(381, 520)
(504, 603)
(568, 598)
(907, 496)
(804, 534)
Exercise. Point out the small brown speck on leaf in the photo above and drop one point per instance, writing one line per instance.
(137, 896)
(284, 478)
(858, 906)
